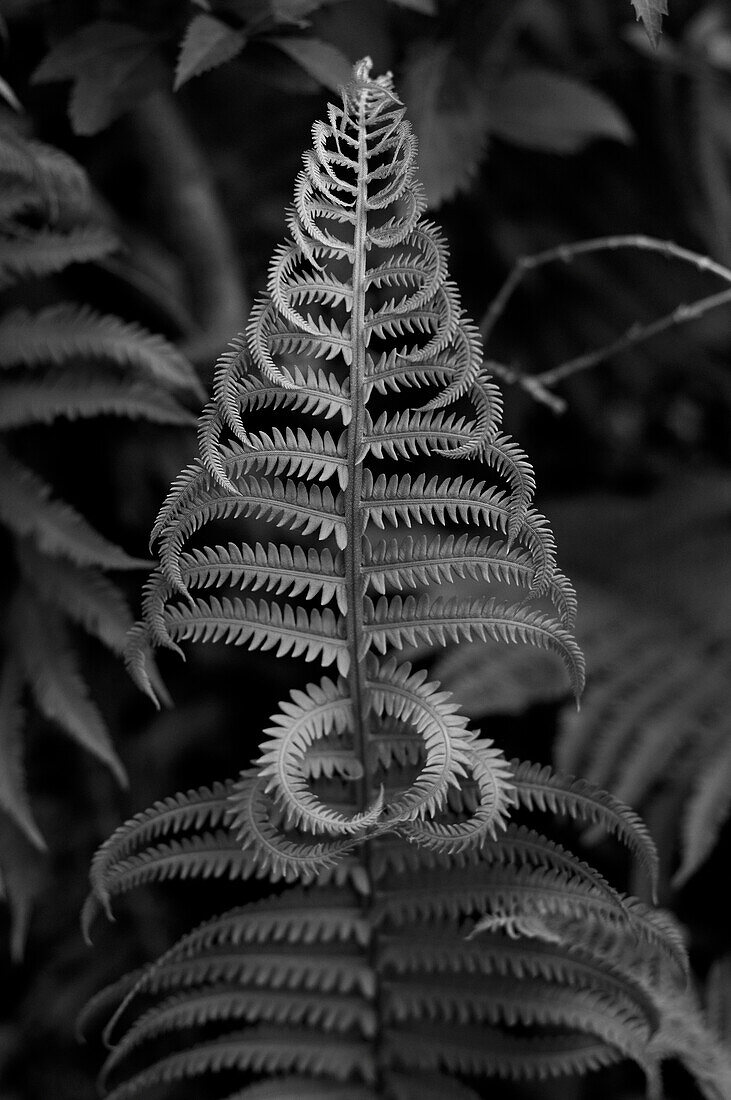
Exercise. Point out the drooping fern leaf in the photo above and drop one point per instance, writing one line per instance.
(396, 826)
(64, 360)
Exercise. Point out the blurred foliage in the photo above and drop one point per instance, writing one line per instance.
(541, 122)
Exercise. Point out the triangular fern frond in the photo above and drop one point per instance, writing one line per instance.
(421, 932)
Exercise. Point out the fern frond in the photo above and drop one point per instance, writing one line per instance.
(46, 252)
(262, 625)
(328, 1013)
(50, 667)
(405, 501)
(26, 507)
(544, 789)
(202, 808)
(84, 594)
(298, 1050)
(76, 393)
(66, 331)
(482, 1050)
(409, 562)
(706, 811)
(13, 796)
(490, 888)
(370, 791)
(397, 621)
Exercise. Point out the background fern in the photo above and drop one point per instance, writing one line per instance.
(61, 360)
(652, 727)
(369, 788)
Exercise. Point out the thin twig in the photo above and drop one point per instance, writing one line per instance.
(565, 253)
(636, 334)
(512, 375)
(537, 385)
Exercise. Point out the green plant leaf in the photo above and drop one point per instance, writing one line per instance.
(651, 13)
(207, 43)
(319, 59)
(552, 113)
(113, 66)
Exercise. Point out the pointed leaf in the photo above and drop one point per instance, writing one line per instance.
(553, 113)
(651, 13)
(207, 43)
(13, 796)
(50, 666)
(447, 103)
(321, 60)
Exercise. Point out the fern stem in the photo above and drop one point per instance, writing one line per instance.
(354, 580)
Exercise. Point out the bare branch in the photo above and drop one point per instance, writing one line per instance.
(537, 385)
(636, 334)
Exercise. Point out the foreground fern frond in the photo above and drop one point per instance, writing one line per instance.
(358, 308)
(424, 932)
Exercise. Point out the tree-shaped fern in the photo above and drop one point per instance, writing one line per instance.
(359, 308)
(398, 825)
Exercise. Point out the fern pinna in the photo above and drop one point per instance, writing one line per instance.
(393, 824)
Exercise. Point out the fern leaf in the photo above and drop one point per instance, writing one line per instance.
(517, 956)
(406, 500)
(398, 621)
(409, 562)
(66, 331)
(273, 854)
(13, 797)
(482, 1050)
(262, 625)
(465, 1001)
(540, 787)
(706, 811)
(60, 693)
(490, 888)
(83, 593)
(210, 855)
(299, 1050)
(47, 252)
(332, 1013)
(204, 807)
(75, 393)
(26, 507)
